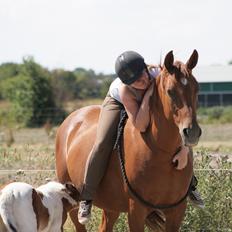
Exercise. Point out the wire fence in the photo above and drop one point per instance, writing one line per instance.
(204, 221)
(53, 170)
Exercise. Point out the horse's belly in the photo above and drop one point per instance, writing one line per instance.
(77, 155)
(111, 192)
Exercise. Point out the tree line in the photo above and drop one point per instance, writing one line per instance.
(34, 91)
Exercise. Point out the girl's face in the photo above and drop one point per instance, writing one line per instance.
(142, 83)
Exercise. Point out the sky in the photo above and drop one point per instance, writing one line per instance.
(92, 33)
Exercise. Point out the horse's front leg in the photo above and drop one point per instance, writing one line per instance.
(74, 217)
(108, 220)
(174, 217)
(136, 216)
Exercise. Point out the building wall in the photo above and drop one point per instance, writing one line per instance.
(215, 94)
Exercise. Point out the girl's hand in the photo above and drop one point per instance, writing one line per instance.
(181, 158)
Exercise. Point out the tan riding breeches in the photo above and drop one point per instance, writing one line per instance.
(99, 156)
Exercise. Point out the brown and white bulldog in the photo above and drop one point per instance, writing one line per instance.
(26, 209)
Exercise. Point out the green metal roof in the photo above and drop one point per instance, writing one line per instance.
(216, 87)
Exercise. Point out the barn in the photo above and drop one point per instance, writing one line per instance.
(215, 85)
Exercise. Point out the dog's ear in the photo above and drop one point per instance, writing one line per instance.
(72, 191)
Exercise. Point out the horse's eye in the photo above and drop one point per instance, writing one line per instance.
(171, 93)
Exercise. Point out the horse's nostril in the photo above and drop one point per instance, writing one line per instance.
(200, 132)
(190, 132)
(186, 131)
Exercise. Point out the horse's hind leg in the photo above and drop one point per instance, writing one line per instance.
(108, 220)
(174, 217)
(74, 217)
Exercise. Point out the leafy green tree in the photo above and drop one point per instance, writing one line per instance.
(31, 94)
(8, 70)
(90, 84)
(87, 83)
(64, 85)
(105, 81)
(230, 62)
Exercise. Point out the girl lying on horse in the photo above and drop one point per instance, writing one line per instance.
(132, 91)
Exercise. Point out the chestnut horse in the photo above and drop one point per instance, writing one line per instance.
(148, 156)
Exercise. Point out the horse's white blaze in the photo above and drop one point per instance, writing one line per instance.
(184, 81)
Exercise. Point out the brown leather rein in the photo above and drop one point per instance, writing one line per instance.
(118, 146)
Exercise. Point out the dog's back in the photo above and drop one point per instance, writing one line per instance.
(16, 208)
(53, 196)
(23, 208)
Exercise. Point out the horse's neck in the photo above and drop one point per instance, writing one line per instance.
(163, 130)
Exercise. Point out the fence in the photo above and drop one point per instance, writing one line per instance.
(196, 220)
(31, 159)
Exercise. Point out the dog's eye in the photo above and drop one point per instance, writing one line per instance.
(64, 190)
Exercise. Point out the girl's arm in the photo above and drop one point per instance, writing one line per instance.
(181, 157)
(138, 114)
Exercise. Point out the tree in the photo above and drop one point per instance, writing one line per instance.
(90, 84)
(230, 62)
(64, 85)
(31, 94)
(87, 83)
(8, 70)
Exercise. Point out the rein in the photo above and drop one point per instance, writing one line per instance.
(118, 145)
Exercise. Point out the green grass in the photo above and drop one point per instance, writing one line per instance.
(215, 115)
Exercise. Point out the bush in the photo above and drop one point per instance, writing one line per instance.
(215, 188)
(31, 95)
(217, 114)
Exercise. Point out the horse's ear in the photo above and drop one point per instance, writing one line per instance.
(192, 62)
(168, 62)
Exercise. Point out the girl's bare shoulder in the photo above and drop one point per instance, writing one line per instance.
(125, 92)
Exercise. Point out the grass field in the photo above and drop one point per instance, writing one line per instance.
(30, 158)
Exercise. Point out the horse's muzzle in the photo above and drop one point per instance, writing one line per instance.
(191, 135)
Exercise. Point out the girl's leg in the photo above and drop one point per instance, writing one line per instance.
(99, 156)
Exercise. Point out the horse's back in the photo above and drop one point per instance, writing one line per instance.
(76, 126)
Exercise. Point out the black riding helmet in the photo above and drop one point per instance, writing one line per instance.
(129, 66)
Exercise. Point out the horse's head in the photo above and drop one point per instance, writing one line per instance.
(180, 90)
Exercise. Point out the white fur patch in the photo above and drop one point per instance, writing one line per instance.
(184, 81)
(16, 206)
(53, 193)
